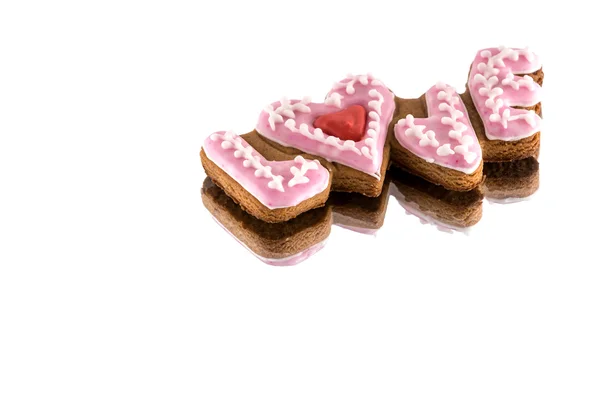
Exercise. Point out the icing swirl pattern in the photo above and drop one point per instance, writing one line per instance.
(496, 90)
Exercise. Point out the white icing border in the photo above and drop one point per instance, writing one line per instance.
(286, 109)
(353, 79)
(369, 150)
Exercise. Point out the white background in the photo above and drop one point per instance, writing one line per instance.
(115, 283)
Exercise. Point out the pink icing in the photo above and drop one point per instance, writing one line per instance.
(496, 90)
(290, 123)
(446, 136)
(276, 184)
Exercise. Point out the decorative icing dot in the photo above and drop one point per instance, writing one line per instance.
(276, 183)
(376, 104)
(334, 99)
(463, 149)
(232, 141)
(429, 140)
(526, 81)
(353, 79)
(286, 109)
(299, 174)
(445, 150)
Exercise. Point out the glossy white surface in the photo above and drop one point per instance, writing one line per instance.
(115, 283)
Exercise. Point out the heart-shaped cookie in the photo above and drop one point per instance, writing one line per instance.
(293, 123)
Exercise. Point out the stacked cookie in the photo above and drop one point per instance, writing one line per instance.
(443, 143)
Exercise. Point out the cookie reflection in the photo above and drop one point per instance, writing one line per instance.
(281, 244)
(289, 243)
(360, 213)
(446, 209)
(507, 182)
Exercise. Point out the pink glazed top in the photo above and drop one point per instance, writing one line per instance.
(290, 123)
(496, 90)
(276, 184)
(445, 137)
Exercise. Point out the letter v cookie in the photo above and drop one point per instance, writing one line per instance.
(434, 139)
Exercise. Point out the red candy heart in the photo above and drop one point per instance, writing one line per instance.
(348, 124)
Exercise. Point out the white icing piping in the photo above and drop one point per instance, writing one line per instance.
(374, 127)
(286, 109)
(488, 76)
(463, 149)
(505, 118)
(450, 100)
(369, 150)
(318, 135)
(299, 174)
(334, 99)
(353, 79)
(525, 81)
(233, 141)
(425, 138)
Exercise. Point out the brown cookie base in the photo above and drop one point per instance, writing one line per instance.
(515, 179)
(501, 150)
(446, 177)
(345, 179)
(452, 208)
(250, 203)
(268, 240)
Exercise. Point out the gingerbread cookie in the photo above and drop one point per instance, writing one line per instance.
(511, 181)
(273, 191)
(503, 99)
(434, 139)
(433, 204)
(281, 244)
(348, 129)
(301, 152)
